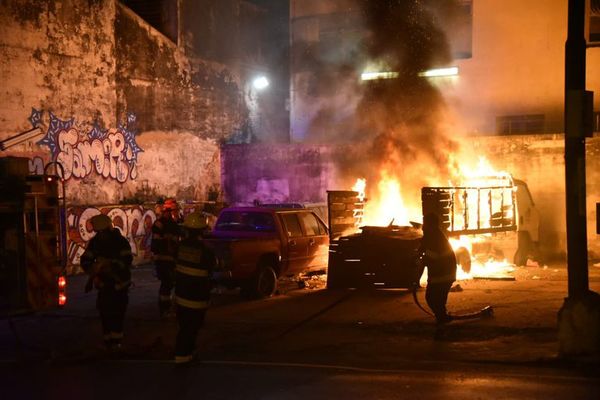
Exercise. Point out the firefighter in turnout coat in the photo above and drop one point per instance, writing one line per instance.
(165, 238)
(107, 260)
(195, 263)
(440, 260)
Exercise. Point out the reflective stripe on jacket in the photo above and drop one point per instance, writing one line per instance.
(192, 274)
(165, 237)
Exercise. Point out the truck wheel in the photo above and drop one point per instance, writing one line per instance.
(262, 285)
(266, 282)
(463, 258)
(524, 249)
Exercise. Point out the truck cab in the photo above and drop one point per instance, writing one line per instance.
(255, 246)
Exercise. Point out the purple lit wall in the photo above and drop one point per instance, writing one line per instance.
(276, 173)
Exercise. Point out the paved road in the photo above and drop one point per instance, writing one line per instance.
(218, 380)
(312, 342)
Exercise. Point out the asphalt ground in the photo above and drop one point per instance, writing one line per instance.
(372, 329)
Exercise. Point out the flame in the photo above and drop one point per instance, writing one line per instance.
(360, 186)
(386, 206)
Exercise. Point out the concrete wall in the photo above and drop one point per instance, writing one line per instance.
(539, 160)
(59, 56)
(120, 106)
(169, 91)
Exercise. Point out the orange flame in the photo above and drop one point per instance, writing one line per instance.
(386, 206)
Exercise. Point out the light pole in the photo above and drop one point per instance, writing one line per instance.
(579, 317)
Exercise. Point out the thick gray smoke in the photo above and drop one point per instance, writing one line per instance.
(399, 122)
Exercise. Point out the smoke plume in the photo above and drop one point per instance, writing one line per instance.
(400, 122)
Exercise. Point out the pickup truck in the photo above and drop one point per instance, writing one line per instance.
(255, 246)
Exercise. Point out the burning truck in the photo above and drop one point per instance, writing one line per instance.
(485, 219)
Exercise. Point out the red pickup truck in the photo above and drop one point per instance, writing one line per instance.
(258, 245)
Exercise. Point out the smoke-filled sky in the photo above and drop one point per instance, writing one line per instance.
(400, 122)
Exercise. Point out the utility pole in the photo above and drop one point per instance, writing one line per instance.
(575, 101)
(578, 322)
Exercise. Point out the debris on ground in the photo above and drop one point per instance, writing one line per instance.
(456, 288)
(495, 278)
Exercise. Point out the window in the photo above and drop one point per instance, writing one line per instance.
(322, 228)
(457, 23)
(520, 124)
(292, 225)
(245, 221)
(311, 225)
(463, 36)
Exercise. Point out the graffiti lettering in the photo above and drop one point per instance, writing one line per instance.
(106, 157)
(110, 153)
(36, 166)
(134, 222)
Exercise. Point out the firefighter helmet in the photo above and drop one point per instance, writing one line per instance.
(195, 221)
(101, 222)
(169, 204)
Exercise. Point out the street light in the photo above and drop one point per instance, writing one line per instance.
(260, 83)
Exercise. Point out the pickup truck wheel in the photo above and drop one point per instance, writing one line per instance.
(463, 258)
(266, 282)
(262, 285)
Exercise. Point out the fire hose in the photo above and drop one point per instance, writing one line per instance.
(485, 312)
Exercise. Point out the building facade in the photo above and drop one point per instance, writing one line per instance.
(509, 60)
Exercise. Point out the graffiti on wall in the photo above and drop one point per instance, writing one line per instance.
(111, 153)
(134, 222)
(36, 165)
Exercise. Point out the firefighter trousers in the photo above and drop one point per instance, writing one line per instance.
(189, 321)
(112, 305)
(436, 296)
(165, 272)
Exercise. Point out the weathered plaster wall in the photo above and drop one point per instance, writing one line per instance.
(59, 56)
(115, 102)
(170, 91)
(186, 172)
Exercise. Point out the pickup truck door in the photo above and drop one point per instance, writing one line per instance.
(318, 241)
(297, 243)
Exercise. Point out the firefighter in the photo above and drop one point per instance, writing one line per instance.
(165, 237)
(439, 258)
(107, 260)
(195, 263)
